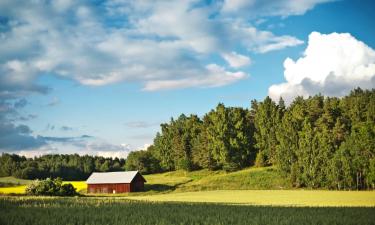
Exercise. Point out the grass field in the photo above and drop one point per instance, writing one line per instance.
(81, 210)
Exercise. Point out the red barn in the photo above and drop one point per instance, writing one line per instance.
(115, 182)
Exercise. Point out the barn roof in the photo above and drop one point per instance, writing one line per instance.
(112, 177)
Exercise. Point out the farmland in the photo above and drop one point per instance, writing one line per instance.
(49, 210)
(252, 186)
(270, 197)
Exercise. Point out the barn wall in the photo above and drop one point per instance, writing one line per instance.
(108, 188)
(137, 184)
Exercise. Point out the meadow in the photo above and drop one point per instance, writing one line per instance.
(92, 210)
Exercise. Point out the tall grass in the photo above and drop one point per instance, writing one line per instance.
(46, 211)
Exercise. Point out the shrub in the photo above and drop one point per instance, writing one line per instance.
(50, 187)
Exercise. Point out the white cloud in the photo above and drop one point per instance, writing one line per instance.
(332, 64)
(261, 41)
(279, 43)
(254, 8)
(144, 147)
(216, 76)
(236, 60)
(94, 147)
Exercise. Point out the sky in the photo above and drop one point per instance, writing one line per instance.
(99, 77)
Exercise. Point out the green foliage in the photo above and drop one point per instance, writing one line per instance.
(50, 187)
(143, 161)
(266, 121)
(46, 211)
(328, 142)
(222, 140)
(261, 159)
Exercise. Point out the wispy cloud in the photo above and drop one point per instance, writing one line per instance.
(268, 8)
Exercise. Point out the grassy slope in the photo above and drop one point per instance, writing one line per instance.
(251, 178)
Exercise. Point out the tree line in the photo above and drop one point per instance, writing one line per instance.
(318, 142)
(67, 167)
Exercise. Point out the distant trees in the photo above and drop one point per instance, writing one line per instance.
(143, 161)
(68, 167)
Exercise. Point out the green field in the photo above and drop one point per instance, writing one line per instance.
(46, 211)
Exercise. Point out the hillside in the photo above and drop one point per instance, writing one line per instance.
(250, 178)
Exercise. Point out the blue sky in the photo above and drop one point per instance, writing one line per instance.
(98, 77)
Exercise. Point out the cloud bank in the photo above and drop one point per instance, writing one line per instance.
(282, 8)
(332, 64)
(160, 44)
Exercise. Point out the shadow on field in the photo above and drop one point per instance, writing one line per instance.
(159, 187)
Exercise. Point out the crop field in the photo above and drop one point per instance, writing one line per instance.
(88, 210)
(270, 197)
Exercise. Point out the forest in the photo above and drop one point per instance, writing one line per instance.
(317, 142)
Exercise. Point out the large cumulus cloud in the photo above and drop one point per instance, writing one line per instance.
(332, 64)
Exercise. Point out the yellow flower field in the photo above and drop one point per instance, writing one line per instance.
(79, 185)
(13, 190)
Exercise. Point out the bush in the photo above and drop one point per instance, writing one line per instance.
(50, 187)
(261, 159)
